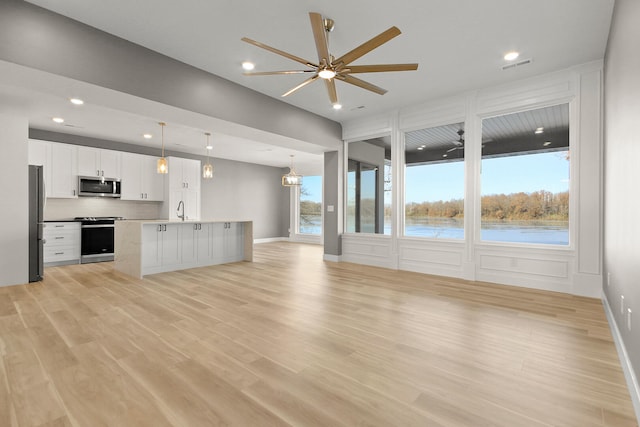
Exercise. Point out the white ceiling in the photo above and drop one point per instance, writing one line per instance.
(459, 45)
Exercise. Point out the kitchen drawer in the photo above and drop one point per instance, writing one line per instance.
(58, 254)
(61, 226)
(62, 238)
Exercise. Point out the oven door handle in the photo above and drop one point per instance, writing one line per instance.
(99, 226)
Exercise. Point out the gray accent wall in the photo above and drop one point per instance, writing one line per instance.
(40, 39)
(622, 175)
(14, 210)
(331, 197)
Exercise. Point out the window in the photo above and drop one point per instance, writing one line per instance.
(368, 207)
(434, 182)
(525, 177)
(310, 206)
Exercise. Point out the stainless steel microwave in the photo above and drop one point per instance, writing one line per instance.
(91, 186)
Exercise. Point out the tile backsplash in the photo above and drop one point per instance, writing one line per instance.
(58, 209)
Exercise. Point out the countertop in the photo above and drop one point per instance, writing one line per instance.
(178, 221)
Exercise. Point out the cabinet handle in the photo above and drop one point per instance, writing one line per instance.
(187, 185)
(159, 228)
(164, 228)
(59, 253)
(59, 238)
(97, 172)
(146, 196)
(74, 192)
(59, 226)
(102, 173)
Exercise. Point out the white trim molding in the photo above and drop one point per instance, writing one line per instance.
(271, 239)
(627, 367)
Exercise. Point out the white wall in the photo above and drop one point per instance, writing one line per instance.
(622, 177)
(14, 211)
(576, 269)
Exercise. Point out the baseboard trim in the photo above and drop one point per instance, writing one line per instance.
(332, 258)
(270, 239)
(627, 367)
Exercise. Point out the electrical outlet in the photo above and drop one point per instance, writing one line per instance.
(629, 319)
(621, 304)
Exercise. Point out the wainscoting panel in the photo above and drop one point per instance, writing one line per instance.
(439, 258)
(368, 249)
(534, 268)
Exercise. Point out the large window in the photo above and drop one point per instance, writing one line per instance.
(434, 182)
(368, 207)
(525, 177)
(310, 206)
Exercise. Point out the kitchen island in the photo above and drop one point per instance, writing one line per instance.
(145, 247)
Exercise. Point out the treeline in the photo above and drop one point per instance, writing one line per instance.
(540, 205)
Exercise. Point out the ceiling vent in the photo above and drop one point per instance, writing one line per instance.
(517, 64)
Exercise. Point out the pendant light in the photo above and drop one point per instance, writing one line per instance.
(163, 167)
(207, 169)
(291, 179)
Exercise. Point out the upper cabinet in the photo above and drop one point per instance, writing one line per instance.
(99, 162)
(184, 173)
(59, 166)
(140, 181)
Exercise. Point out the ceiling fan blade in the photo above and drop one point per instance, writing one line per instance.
(361, 83)
(271, 73)
(351, 69)
(331, 89)
(452, 149)
(320, 36)
(368, 46)
(301, 85)
(279, 52)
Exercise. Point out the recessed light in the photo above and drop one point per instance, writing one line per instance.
(510, 56)
(58, 119)
(147, 136)
(246, 65)
(76, 101)
(209, 147)
(445, 155)
(539, 130)
(421, 148)
(337, 106)
(546, 144)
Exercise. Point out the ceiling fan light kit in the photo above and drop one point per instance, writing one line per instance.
(329, 68)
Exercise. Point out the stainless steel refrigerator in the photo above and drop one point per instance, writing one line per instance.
(36, 223)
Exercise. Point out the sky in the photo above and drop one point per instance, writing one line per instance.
(313, 186)
(527, 173)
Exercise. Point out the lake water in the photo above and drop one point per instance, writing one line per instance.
(536, 232)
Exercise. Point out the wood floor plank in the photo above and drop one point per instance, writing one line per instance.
(292, 340)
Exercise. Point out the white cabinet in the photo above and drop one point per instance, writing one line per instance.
(139, 179)
(61, 243)
(227, 242)
(99, 162)
(183, 186)
(184, 173)
(196, 243)
(161, 247)
(64, 177)
(59, 166)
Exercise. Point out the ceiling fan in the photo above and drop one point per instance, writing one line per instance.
(329, 68)
(459, 143)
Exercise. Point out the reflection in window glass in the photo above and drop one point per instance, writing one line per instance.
(525, 177)
(310, 206)
(368, 207)
(434, 182)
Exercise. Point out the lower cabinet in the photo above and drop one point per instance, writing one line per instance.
(228, 242)
(175, 246)
(61, 243)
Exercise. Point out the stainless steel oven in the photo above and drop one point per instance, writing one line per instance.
(97, 239)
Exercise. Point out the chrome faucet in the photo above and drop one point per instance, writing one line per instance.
(178, 210)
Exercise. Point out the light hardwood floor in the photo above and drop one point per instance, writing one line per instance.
(292, 340)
